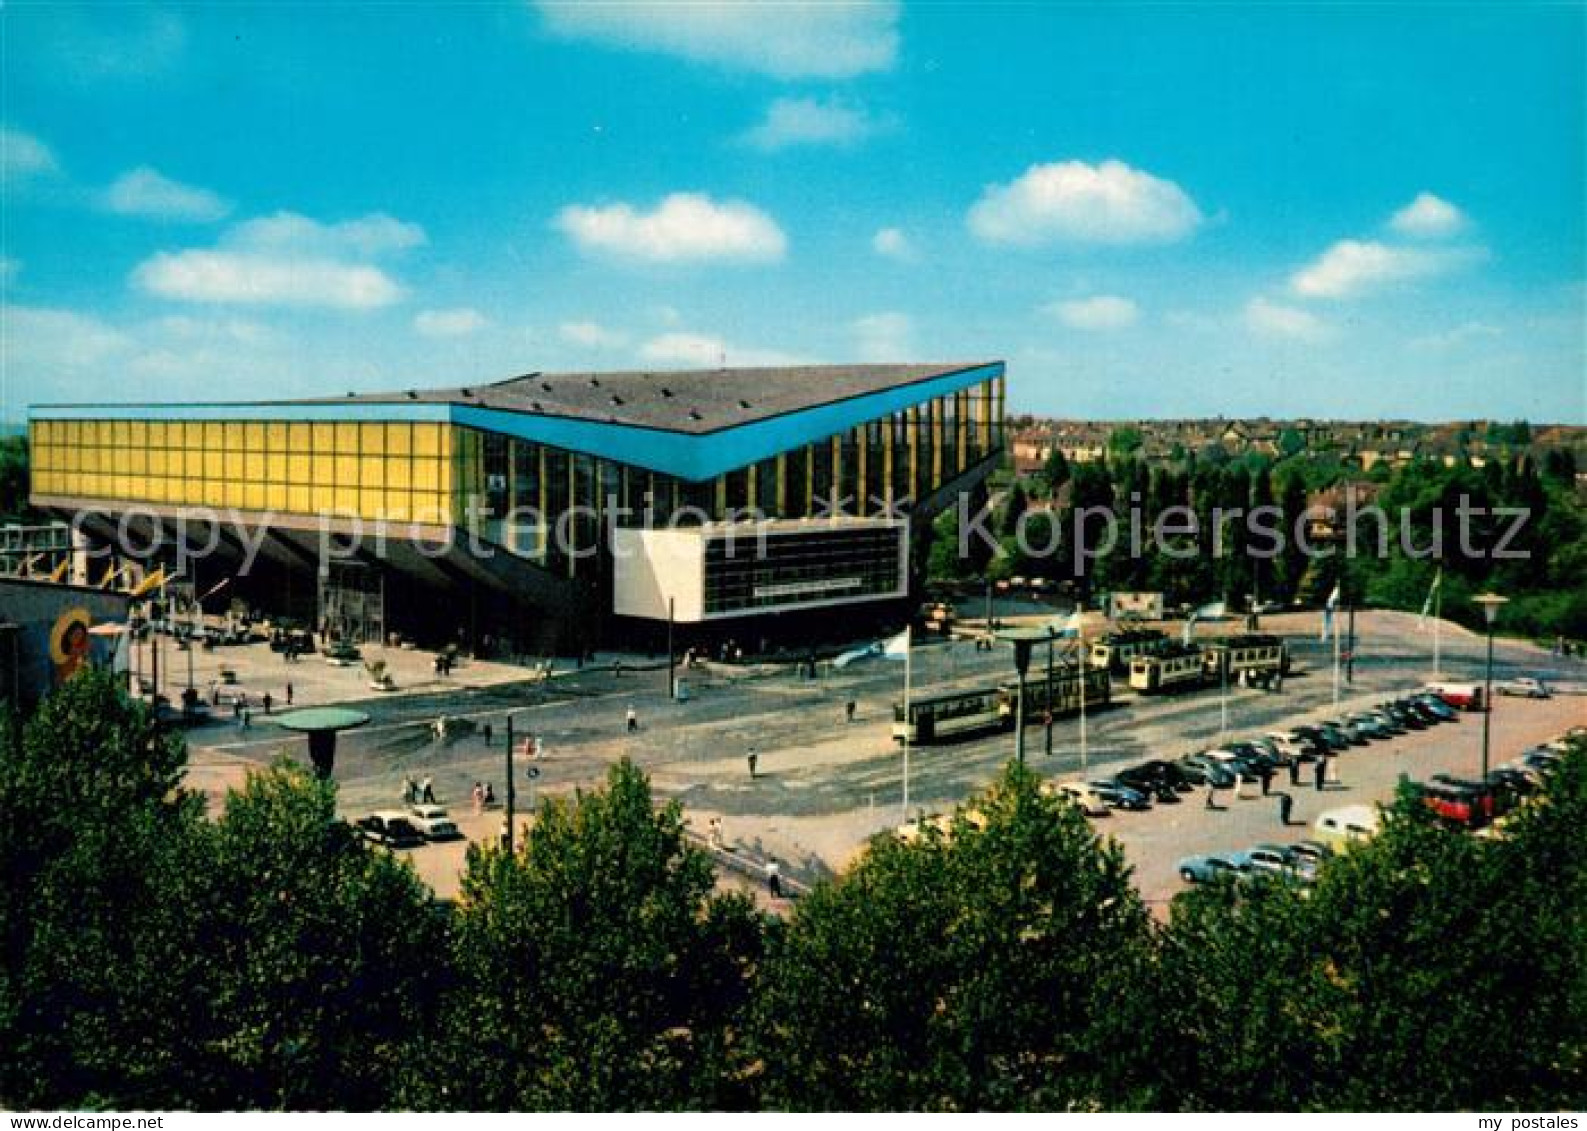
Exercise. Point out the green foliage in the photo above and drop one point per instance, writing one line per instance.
(1428, 970)
(1055, 472)
(597, 969)
(14, 481)
(1125, 441)
(994, 967)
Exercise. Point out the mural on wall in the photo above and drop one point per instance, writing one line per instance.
(70, 643)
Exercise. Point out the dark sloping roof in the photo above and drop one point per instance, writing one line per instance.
(691, 401)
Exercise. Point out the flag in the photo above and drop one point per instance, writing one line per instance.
(1427, 605)
(1067, 627)
(1214, 610)
(893, 648)
(1328, 612)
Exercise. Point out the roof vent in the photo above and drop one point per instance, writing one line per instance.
(412, 396)
(595, 382)
(694, 415)
(743, 404)
(545, 386)
(535, 405)
(666, 392)
(617, 400)
(351, 393)
(467, 392)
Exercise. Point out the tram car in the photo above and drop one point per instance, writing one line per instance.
(953, 714)
(1178, 668)
(1115, 651)
(1252, 660)
(1061, 695)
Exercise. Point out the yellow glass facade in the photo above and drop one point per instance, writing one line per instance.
(396, 471)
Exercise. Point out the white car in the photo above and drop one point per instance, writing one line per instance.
(434, 822)
(1090, 802)
(1523, 686)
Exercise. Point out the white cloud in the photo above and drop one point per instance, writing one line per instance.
(1458, 336)
(592, 335)
(242, 277)
(286, 260)
(706, 351)
(36, 338)
(683, 228)
(456, 323)
(813, 121)
(893, 243)
(784, 40)
(145, 192)
(1073, 202)
(373, 234)
(1099, 312)
(23, 156)
(1354, 267)
(1428, 216)
(888, 336)
(1275, 320)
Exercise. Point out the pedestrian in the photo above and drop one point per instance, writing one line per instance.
(269, 702)
(633, 719)
(1294, 770)
(754, 760)
(617, 669)
(410, 791)
(1212, 795)
(289, 695)
(478, 796)
(486, 731)
(247, 718)
(506, 835)
(1319, 772)
(1267, 780)
(848, 711)
(774, 880)
(427, 791)
(716, 832)
(490, 795)
(1286, 805)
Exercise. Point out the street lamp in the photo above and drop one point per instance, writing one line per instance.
(1023, 639)
(1491, 603)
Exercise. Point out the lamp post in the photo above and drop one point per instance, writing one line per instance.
(1023, 639)
(1491, 603)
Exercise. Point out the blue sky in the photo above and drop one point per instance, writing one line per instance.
(1145, 210)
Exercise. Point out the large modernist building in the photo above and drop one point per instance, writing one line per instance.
(545, 509)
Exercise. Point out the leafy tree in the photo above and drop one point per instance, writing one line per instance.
(1125, 441)
(14, 478)
(1055, 471)
(597, 969)
(1291, 442)
(996, 966)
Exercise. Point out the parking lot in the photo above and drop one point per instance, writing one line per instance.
(824, 785)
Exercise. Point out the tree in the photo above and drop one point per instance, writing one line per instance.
(598, 969)
(1055, 471)
(995, 966)
(1125, 441)
(14, 478)
(1291, 442)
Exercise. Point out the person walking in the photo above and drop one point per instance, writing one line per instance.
(848, 711)
(477, 795)
(427, 791)
(633, 719)
(486, 730)
(245, 719)
(754, 760)
(1294, 770)
(1286, 805)
(1267, 780)
(269, 701)
(289, 695)
(1212, 796)
(774, 880)
(1319, 773)
(716, 832)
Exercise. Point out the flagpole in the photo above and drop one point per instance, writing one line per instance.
(1084, 671)
(908, 661)
(1438, 617)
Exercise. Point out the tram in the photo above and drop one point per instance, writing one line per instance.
(1253, 660)
(1115, 650)
(953, 714)
(1177, 669)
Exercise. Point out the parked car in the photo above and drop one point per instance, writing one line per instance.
(1296, 746)
(1331, 738)
(1270, 858)
(434, 822)
(1339, 735)
(1406, 717)
(1089, 801)
(1155, 776)
(1203, 770)
(1245, 769)
(1207, 868)
(1524, 686)
(1367, 727)
(1347, 825)
(1116, 795)
(1435, 706)
(394, 830)
(1313, 850)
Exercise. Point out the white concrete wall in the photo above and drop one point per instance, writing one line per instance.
(649, 566)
